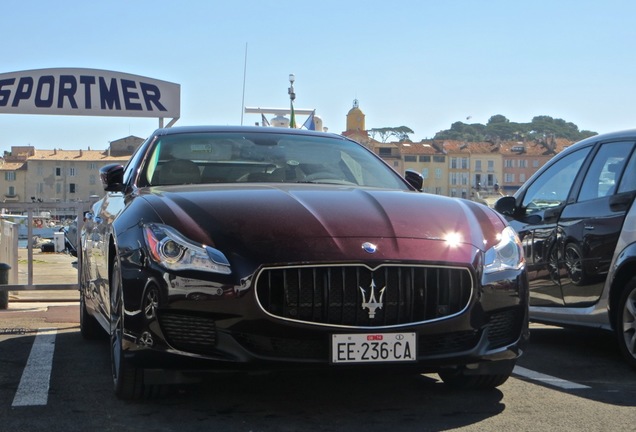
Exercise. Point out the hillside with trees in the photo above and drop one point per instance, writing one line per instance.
(499, 128)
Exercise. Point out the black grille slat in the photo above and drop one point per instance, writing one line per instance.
(504, 328)
(188, 332)
(317, 309)
(332, 294)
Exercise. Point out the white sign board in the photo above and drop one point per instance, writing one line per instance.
(89, 92)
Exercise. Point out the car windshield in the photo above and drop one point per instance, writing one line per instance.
(214, 157)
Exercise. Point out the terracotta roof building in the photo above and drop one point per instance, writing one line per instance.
(482, 171)
(28, 174)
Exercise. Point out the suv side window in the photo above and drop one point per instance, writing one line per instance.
(628, 182)
(602, 177)
(552, 187)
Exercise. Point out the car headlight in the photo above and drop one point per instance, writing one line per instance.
(175, 252)
(505, 255)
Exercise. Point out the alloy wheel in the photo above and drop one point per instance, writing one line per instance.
(628, 322)
(574, 264)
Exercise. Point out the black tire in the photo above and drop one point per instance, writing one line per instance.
(457, 379)
(626, 322)
(89, 326)
(128, 380)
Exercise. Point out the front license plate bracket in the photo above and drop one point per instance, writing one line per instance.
(373, 348)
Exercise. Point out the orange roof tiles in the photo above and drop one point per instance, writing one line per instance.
(11, 166)
(81, 155)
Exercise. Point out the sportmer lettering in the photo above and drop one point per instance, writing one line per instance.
(66, 91)
(47, 93)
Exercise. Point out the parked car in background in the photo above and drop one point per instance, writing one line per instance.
(70, 237)
(237, 248)
(575, 219)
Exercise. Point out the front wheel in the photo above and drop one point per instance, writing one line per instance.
(89, 327)
(626, 322)
(128, 380)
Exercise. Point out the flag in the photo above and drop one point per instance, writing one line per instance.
(264, 120)
(292, 121)
(309, 123)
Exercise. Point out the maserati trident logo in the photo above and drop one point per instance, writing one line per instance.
(370, 302)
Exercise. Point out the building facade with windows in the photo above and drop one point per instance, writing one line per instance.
(458, 155)
(32, 175)
(429, 160)
(486, 163)
(12, 178)
(522, 159)
(473, 170)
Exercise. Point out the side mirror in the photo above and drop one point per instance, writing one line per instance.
(506, 205)
(414, 178)
(112, 177)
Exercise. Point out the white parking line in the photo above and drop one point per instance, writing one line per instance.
(547, 379)
(34, 384)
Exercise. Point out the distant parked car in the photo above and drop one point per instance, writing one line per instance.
(255, 248)
(576, 221)
(70, 237)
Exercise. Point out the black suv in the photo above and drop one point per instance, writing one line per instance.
(570, 216)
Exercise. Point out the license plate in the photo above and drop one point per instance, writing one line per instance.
(373, 348)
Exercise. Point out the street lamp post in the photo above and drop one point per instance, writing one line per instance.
(292, 96)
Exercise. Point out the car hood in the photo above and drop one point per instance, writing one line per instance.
(322, 220)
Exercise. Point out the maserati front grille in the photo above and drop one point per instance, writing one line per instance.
(359, 296)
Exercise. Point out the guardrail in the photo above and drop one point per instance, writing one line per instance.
(10, 241)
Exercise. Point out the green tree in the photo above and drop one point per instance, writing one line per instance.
(400, 132)
(498, 118)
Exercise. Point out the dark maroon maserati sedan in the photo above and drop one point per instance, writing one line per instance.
(243, 248)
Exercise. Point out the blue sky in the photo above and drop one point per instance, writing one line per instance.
(424, 64)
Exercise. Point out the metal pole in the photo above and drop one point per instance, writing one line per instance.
(4, 280)
(244, 75)
(292, 97)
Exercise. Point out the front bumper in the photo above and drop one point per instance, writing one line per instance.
(226, 328)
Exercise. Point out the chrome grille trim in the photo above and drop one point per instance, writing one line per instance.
(329, 295)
